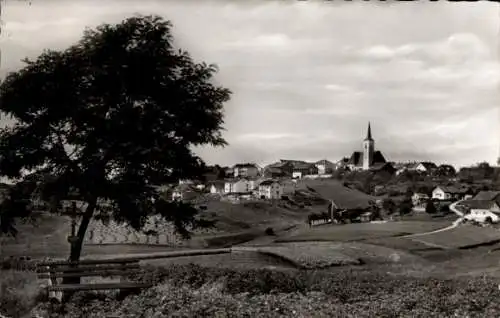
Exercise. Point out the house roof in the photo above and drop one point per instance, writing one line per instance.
(427, 165)
(245, 165)
(487, 195)
(268, 182)
(303, 165)
(357, 158)
(380, 166)
(217, 184)
(453, 189)
(343, 197)
(479, 204)
(324, 162)
(185, 187)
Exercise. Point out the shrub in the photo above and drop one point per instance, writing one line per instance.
(19, 292)
(270, 231)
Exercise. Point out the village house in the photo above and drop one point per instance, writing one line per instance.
(364, 160)
(423, 167)
(419, 199)
(488, 196)
(450, 193)
(184, 192)
(237, 186)
(325, 167)
(303, 169)
(342, 163)
(482, 210)
(245, 170)
(270, 189)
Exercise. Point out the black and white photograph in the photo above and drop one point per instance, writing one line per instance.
(260, 158)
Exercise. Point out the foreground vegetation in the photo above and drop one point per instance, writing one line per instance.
(194, 291)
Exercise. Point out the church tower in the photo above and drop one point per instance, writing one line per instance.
(368, 149)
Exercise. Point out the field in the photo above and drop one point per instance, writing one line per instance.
(463, 236)
(363, 231)
(395, 271)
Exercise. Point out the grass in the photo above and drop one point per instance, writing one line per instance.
(362, 231)
(19, 292)
(193, 291)
(400, 243)
(310, 256)
(343, 197)
(463, 236)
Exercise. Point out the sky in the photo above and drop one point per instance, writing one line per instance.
(307, 76)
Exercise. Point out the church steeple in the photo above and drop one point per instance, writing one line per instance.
(369, 134)
(368, 149)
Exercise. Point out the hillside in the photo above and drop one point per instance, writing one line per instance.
(344, 197)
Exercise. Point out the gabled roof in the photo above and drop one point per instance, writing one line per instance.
(487, 195)
(268, 182)
(427, 165)
(479, 204)
(217, 184)
(324, 162)
(303, 165)
(453, 189)
(185, 187)
(245, 165)
(343, 197)
(357, 158)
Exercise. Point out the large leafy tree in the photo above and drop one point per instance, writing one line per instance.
(107, 119)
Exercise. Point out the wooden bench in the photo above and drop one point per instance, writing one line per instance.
(52, 271)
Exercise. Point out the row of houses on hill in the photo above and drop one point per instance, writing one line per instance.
(262, 188)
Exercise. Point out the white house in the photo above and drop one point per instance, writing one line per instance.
(419, 198)
(270, 189)
(482, 211)
(237, 186)
(424, 167)
(244, 170)
(324, 166)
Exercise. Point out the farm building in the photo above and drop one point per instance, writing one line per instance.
(482, 210)
(450, 193)
(343, 198)
(237, 186)
(488, 196)
(303, 169)
(270, 189)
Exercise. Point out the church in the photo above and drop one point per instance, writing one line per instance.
(369, 158)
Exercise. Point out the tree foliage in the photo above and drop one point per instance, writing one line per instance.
(110, 117)
(430, 207)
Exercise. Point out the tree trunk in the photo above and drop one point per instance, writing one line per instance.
(76, 246)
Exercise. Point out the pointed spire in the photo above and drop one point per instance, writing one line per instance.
(369, 134)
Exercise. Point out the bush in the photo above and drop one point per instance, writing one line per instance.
(194, 291)
(430, 207)
(19, 292)
(269, 231)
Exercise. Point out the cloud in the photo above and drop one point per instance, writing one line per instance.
(307, 77)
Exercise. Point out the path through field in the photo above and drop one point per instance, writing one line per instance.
(452, 226)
